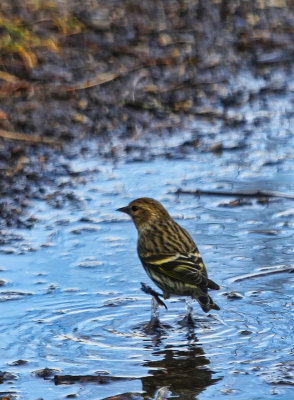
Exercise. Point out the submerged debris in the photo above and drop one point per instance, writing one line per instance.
(7, 376)
(233, 295)
(99, 379)
(19, 362)
(281, 373)
(46, 373)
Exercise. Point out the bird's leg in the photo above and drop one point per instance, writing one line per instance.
(154, 326)
(154, 310)
(189, 309)
(156, 301)
(188, 321)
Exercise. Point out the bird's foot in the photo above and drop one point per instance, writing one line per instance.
(188, 321)
(148, 290)
(154, 327)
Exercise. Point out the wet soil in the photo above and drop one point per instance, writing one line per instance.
(129, 74)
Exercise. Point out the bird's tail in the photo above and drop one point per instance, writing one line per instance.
(212, 285)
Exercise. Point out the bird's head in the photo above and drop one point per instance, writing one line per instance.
(144, 211)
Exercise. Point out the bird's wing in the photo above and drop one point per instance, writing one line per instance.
(186, 268)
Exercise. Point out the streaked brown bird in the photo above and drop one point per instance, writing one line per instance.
(169, 255)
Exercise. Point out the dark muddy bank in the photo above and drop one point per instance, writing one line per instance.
(130, 76)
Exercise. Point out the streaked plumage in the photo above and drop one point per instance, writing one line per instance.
(169, 254)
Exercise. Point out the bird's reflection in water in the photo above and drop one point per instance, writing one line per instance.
(182, 371)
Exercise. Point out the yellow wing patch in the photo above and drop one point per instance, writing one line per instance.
(164, 260)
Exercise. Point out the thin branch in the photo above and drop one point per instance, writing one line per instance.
(30, 139)
(99, 79)
(106, 77)
(262, 273)
(257, 194)
(99, 379)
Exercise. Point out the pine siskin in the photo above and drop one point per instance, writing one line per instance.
(169, 254)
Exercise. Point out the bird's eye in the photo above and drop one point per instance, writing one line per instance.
(134, 208)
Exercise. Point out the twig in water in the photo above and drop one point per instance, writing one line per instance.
(262, 273)
(258, 193)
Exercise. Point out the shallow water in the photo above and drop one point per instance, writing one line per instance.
(71, 298)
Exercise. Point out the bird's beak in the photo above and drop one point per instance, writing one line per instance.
(124, 210)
